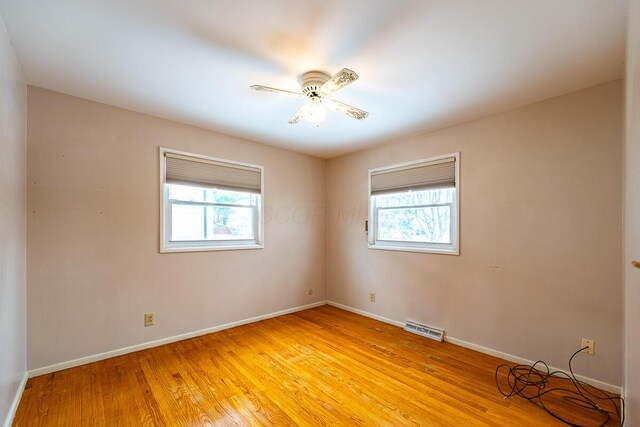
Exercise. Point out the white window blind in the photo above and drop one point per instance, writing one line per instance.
(436, 174)
(194, 171)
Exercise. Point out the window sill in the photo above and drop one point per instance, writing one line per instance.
(174, 249)
(437, 251)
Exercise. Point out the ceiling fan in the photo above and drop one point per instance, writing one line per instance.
(318, 87)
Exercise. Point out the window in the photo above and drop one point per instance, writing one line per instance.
(208, 203)
(414, 206)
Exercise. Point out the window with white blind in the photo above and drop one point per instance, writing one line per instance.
(209, 203)
(414, 206)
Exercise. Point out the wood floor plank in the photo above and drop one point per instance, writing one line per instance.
(317, 367)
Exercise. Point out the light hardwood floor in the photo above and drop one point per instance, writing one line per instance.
(322, 366)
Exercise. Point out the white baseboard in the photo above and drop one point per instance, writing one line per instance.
(16, 401)
(511, 358)
(113, 353)
(522, 361)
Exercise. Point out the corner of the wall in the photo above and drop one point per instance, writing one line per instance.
(16, 400)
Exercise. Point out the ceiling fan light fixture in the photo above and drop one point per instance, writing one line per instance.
(316, 113)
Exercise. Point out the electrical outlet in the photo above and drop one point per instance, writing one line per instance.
(372, 296)
(149, 319)
(591, 344)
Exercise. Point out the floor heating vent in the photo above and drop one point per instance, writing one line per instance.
(424, 330)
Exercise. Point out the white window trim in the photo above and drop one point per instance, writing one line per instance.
(435, 248)
(218, 245)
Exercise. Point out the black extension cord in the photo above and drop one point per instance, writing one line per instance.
(530, 382)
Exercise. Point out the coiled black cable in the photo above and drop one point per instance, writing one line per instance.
(532, 383)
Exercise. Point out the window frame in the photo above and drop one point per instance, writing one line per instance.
(452, 248)
(167, 246)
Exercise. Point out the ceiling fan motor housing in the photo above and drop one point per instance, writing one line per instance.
(311, 81)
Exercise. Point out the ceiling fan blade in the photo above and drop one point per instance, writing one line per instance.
(302, 111)
(341, 107)
(337, 82)
(261, 88)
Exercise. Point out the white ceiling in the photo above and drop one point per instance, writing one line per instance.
(423, 64)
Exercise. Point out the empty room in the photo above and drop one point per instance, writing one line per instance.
(320, 213)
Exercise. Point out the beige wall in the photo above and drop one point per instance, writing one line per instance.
(541, 197)
(93, 261)
(13, 167)
(632, 217)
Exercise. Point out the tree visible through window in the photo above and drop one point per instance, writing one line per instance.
(210, 214)
(415, 216)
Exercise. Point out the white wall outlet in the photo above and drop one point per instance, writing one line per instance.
(372, 296)
(149, 319)
(590, 344)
